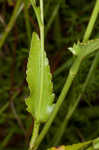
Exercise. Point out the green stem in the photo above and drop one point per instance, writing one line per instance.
(41, 11)
(42, 26)
(42, 53)
(34, 135)
(2, 109)
(28, 27)
(11, 23)
(52, 18)
(7, 139)
(56, 9)
(72, 74)
(92, 21)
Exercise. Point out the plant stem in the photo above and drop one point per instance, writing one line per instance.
(28, 27)
(42, 53)
(34, 136)
(7, 139)
(42, 26)
(41, 11)
(92, 21)
(52, 18)
(11, 23)
(2, 109)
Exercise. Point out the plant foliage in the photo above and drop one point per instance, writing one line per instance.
(41, 97)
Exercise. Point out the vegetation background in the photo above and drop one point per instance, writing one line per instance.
(65, 23)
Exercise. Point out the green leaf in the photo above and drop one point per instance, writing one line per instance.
(41, 97)
(89, 145)
(85, 49)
